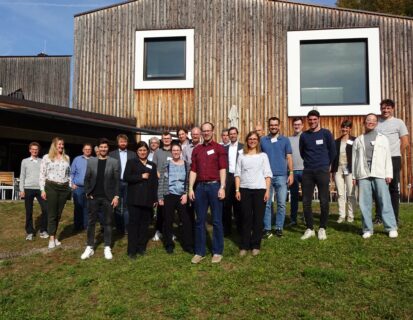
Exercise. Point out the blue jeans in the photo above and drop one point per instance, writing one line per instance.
(121, 211)
(81, 215)
(279, 185)
(381, 192)
(294, 193)
(207, 195)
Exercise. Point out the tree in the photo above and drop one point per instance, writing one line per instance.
(398, 7)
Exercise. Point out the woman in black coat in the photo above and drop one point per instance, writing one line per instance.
(142, 178)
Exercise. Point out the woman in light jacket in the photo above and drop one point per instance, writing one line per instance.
(252, 187)
(342, 173)
(55, 186)
(373, 171)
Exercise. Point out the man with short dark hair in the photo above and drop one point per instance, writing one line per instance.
(318, 150)
(278, 149)
(77, 172)
(102, 190)
(224, 138)
(231, 204)
(298, 167)
(122, 154)
(396, 131)
(29, 189)
(208, 170)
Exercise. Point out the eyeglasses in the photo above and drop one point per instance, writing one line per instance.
(252, 139)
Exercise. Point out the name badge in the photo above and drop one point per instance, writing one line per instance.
(350, 142)
(168, 159)
(148, 166)
(319, 141)
(373, 143)
(274, 140)
(210, 152)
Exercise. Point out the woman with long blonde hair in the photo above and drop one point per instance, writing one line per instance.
(55, 185)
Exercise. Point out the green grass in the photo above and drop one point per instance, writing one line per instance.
(344, 277)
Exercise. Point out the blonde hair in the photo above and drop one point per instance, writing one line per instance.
(53, 150)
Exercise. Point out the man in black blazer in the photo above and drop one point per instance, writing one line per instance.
(122, 154)
(102, 191)
(231, 203)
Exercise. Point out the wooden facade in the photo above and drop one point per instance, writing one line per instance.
(41, 78)
(240, 59)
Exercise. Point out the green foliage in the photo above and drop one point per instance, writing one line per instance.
(397, 7)
(344, 277)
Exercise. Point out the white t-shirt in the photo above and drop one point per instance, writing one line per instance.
(252, 170)
(393, 129)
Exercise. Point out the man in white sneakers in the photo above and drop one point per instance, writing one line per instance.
(102, 192)
(373, 171)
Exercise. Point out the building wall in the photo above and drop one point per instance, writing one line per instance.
(240, 59)
(42, 79)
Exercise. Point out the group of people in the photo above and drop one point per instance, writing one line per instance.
(236, 181)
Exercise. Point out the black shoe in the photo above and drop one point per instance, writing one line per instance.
(292, 224)
(278, 233)
(378, 221)
(169, 250)
(132, 256)
(267, 234)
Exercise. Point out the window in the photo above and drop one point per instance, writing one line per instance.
(335, 71)
(164, 59)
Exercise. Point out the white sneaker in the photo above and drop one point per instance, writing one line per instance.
(393, 234)
(367, 235)
(29, 237)
(44, 235)
(88, 253)
(350, 219)
(57, 242)
(308, 234)
(341, 219)
(108, 253)
(52, 244)
(157, 236)
(322, 235)
(173, 237)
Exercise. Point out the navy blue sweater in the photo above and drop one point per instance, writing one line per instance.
(317, 149)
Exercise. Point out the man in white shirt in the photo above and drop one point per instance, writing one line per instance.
(231, 204)
(396, 131)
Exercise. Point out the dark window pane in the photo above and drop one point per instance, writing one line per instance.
(334, 72)
(164, 58)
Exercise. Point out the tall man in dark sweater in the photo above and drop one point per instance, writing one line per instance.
(317, 148)
(102, 191)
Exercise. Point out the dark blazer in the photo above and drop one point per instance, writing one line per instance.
(141, 192)
(115, 154)
(240, 147)
(111, 181)
(349, 148)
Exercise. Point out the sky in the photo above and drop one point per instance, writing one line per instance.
(28, 27)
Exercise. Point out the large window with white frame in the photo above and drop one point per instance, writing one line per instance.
(164, 59)
(336, 71)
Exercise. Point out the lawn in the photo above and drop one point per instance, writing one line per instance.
(344, 277)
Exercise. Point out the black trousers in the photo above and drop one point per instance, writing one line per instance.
(139, 220)
(159, 218)
(172, 202)
(253, 209)
(231, 205)
(29, 196)
(321, 179)
(95, 206)
(57, 195)
(393, 189)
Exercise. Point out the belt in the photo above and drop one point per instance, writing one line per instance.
(208, 182)
(58, 183)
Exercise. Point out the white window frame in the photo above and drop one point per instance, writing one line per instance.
(141, 83)
(374, 75)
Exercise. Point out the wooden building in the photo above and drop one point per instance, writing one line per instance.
(40, 78)
(181, 62)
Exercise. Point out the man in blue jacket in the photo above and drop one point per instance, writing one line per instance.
(317, 148)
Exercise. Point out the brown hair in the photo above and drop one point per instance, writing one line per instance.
(258, 148)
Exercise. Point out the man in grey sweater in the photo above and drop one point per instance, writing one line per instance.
(30, 189)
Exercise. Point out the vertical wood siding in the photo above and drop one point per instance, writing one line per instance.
(42, 79)
(240, 59)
